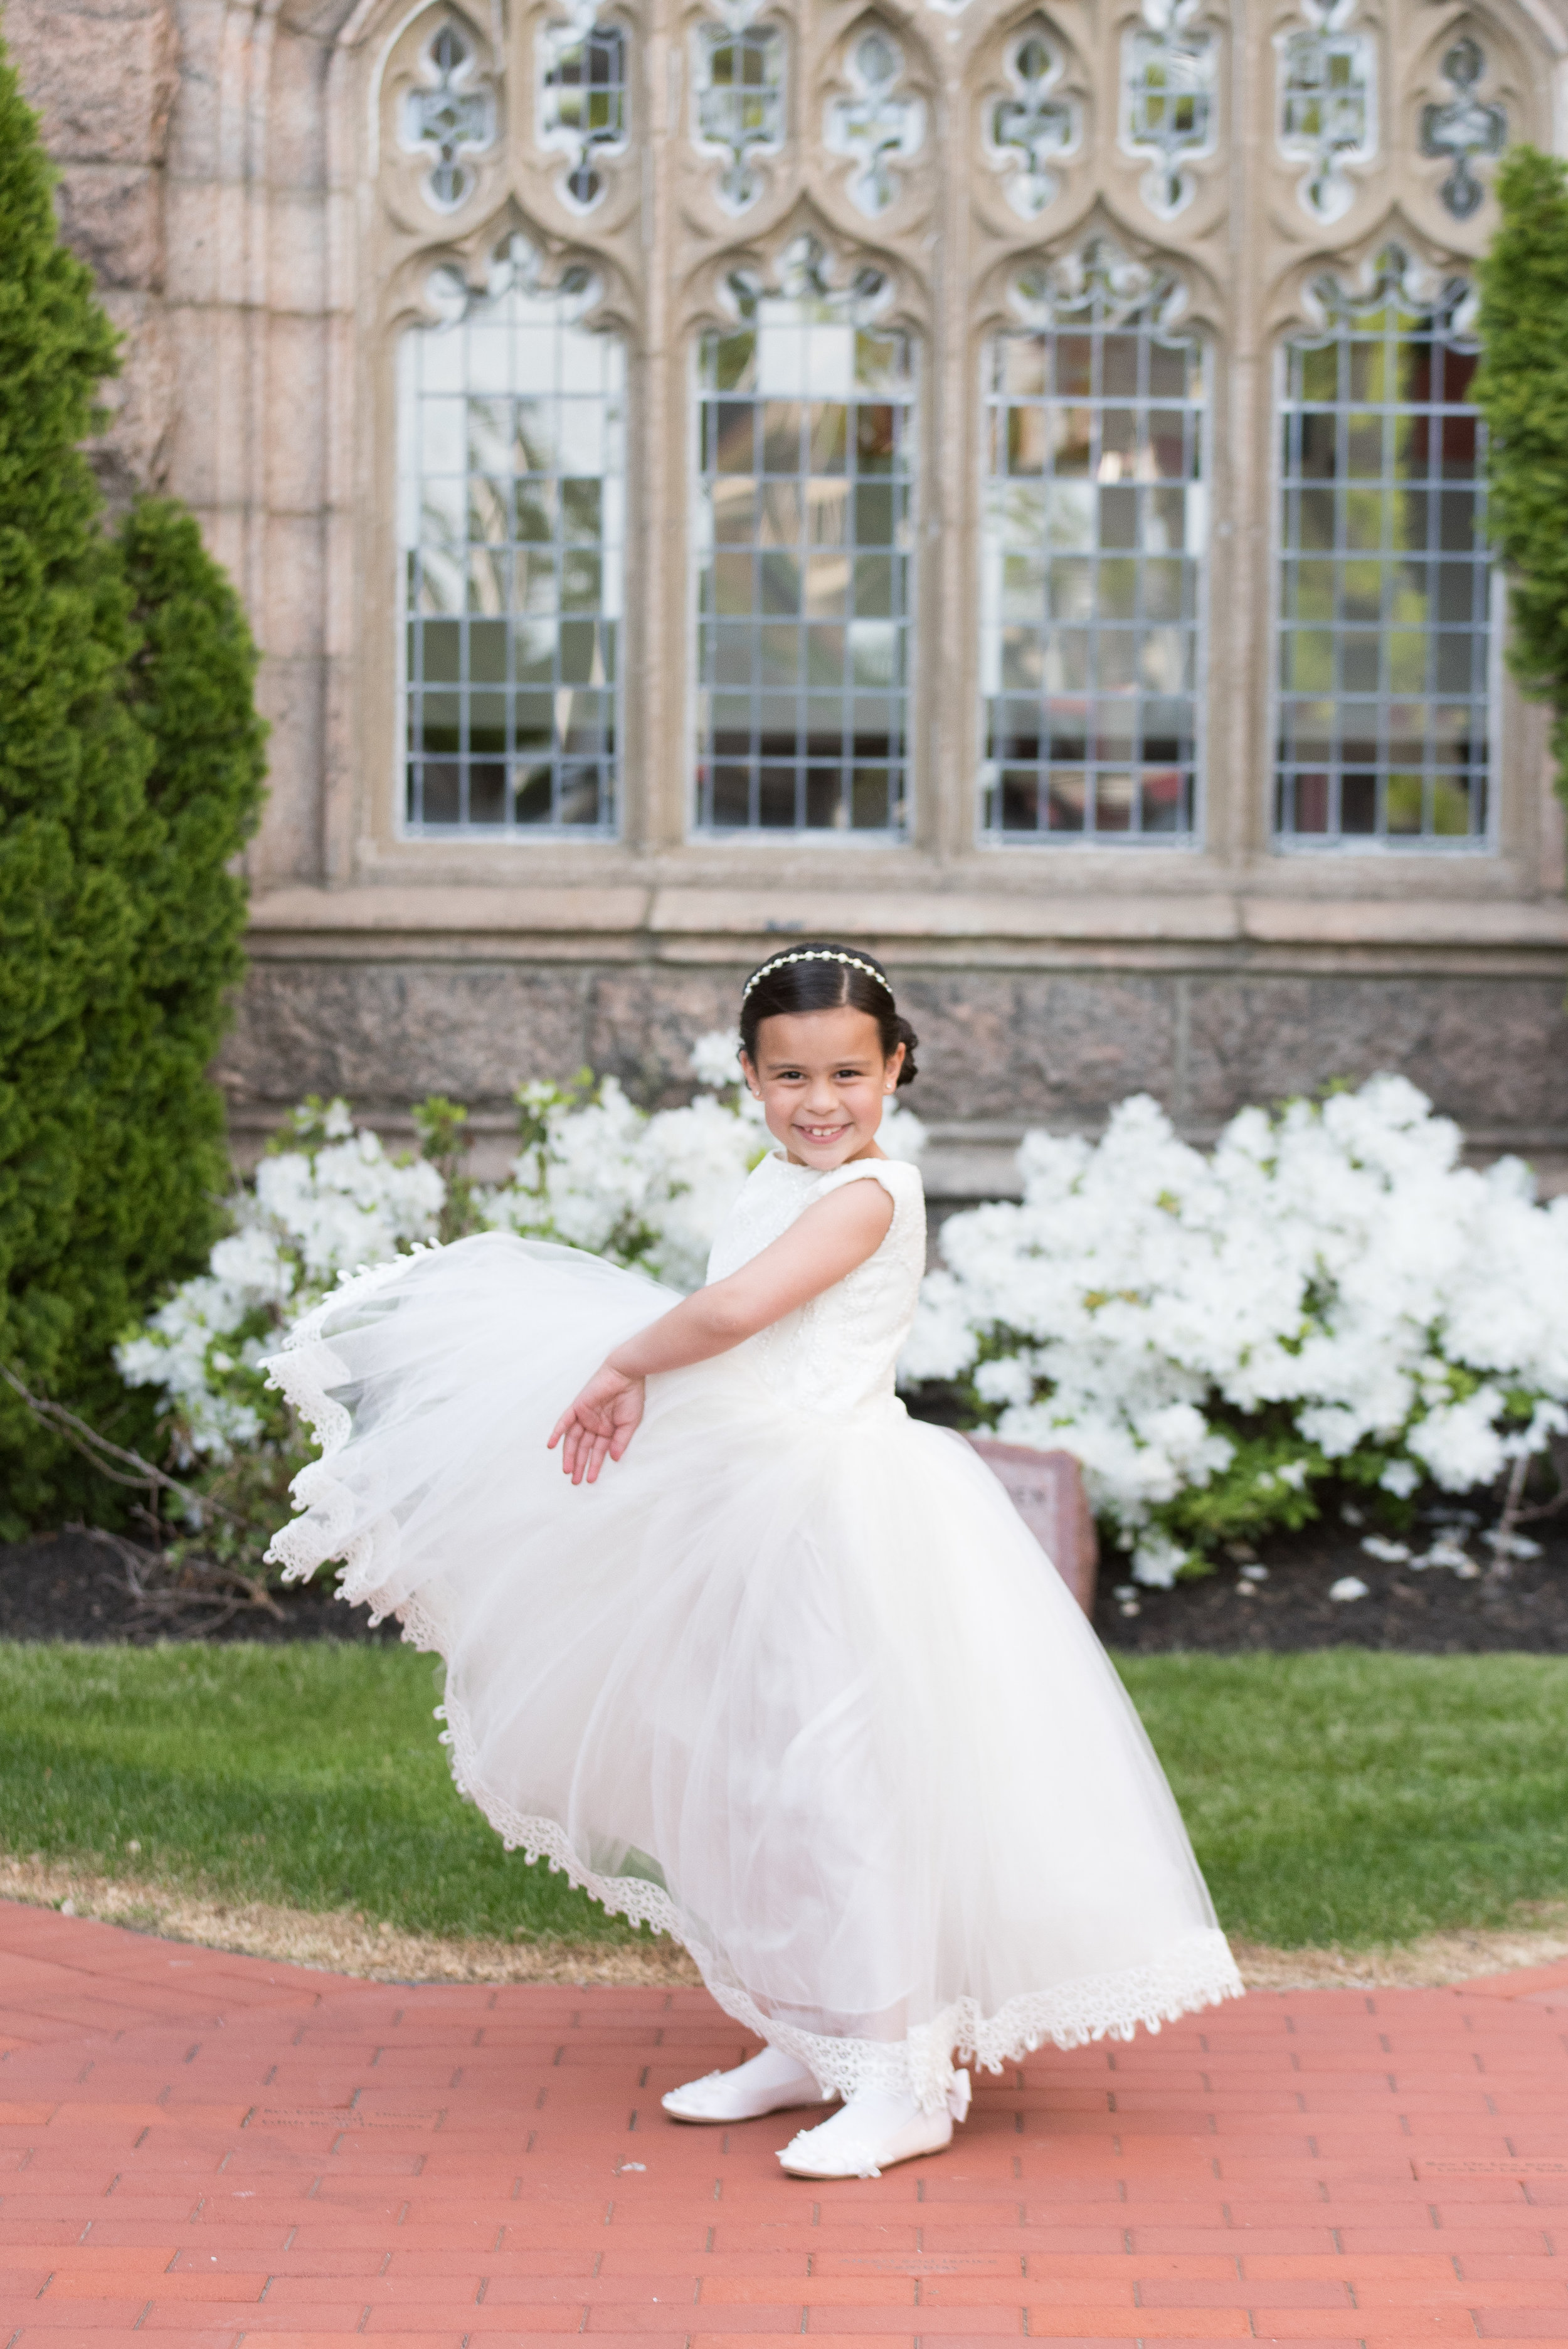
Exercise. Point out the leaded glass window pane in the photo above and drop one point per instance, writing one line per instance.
(740, 90)
(1094, 536)
(584, 100)
(512, 531)
(804, 570)
(1385, 577)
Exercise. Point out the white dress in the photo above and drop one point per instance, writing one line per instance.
(791, 1682)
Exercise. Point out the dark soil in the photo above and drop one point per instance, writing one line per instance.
(1430, 1610)
(67, 1586)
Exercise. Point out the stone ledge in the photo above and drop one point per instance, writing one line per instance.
(1406, 921)
(659, 921)
(463, 912)
(934, 914)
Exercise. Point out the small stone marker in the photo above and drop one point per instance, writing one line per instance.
(1047, 1490)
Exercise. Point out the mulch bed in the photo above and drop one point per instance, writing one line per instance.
(1429, 1610)
(67, 1586)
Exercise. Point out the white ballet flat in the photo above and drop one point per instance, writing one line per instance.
(872, 2133)
(718, 2097)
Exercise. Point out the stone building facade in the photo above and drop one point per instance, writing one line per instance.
(991, 480)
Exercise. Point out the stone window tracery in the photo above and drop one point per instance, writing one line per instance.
(1463, 127)
(1169, 100)
(877, 124)
(583, 96)
(1384, 631)
(1094, 540)
(739, 98)
(806, 418)
(449, 115)
(1033, 127)
(1327, 105)
(512, 495)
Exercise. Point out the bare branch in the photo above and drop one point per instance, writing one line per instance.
(203, 1584)
(86, 1439)
(1502, 1570)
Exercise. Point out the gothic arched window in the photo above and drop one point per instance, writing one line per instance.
(1095, 533)
(806, 427)
(510, 431)
(1385, 580)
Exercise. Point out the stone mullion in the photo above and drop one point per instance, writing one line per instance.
(943, 687)
(654, 783)
(348, 480)
(1240, 598)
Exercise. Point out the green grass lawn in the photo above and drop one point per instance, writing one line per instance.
(1339, 1797)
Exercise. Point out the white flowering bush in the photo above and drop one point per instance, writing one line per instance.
(596, 1173)
(1328, 1294)
(325, 1200)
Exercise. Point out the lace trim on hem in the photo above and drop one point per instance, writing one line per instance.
(1196, 1971)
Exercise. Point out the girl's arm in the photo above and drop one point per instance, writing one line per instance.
(823, 1245)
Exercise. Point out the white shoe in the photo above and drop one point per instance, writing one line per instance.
(770, 2083)
(873, 2132)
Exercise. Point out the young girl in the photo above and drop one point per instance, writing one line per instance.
(773, 1667)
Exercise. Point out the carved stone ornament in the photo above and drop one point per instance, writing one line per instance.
(1464, 127)
(739, 97)
(1394, 275)
(877, 124)
(1031, 128)
(1169, 100)
(449, 114)
(804, 272)
(1097, 276)
(1327, 105)
(582, 96)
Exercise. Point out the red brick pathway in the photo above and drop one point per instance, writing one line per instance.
(222, 2148)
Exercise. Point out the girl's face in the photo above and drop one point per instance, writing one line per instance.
(822, 1082)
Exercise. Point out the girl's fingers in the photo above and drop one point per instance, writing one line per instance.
(586, 1441)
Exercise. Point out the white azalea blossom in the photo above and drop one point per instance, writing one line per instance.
(312, 1216)
(1331, 1285)
(716, 1059)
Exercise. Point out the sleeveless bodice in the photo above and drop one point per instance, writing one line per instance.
(839, 1350)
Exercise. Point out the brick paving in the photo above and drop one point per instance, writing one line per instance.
(224, 2148)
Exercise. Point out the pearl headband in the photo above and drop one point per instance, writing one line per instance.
(815, 953)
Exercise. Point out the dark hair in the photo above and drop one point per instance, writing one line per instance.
(814, 975)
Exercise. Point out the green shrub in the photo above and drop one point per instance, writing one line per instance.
(129, 775)
(189, 686)
(73, 763)
(1522, 389)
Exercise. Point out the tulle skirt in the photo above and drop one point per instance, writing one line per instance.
(802, 1691)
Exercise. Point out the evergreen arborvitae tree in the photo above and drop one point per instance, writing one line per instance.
(191, 689)
(1522, 389)
(72, 763)
(129, 770)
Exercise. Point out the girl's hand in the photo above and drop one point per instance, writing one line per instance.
(602, 1420)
